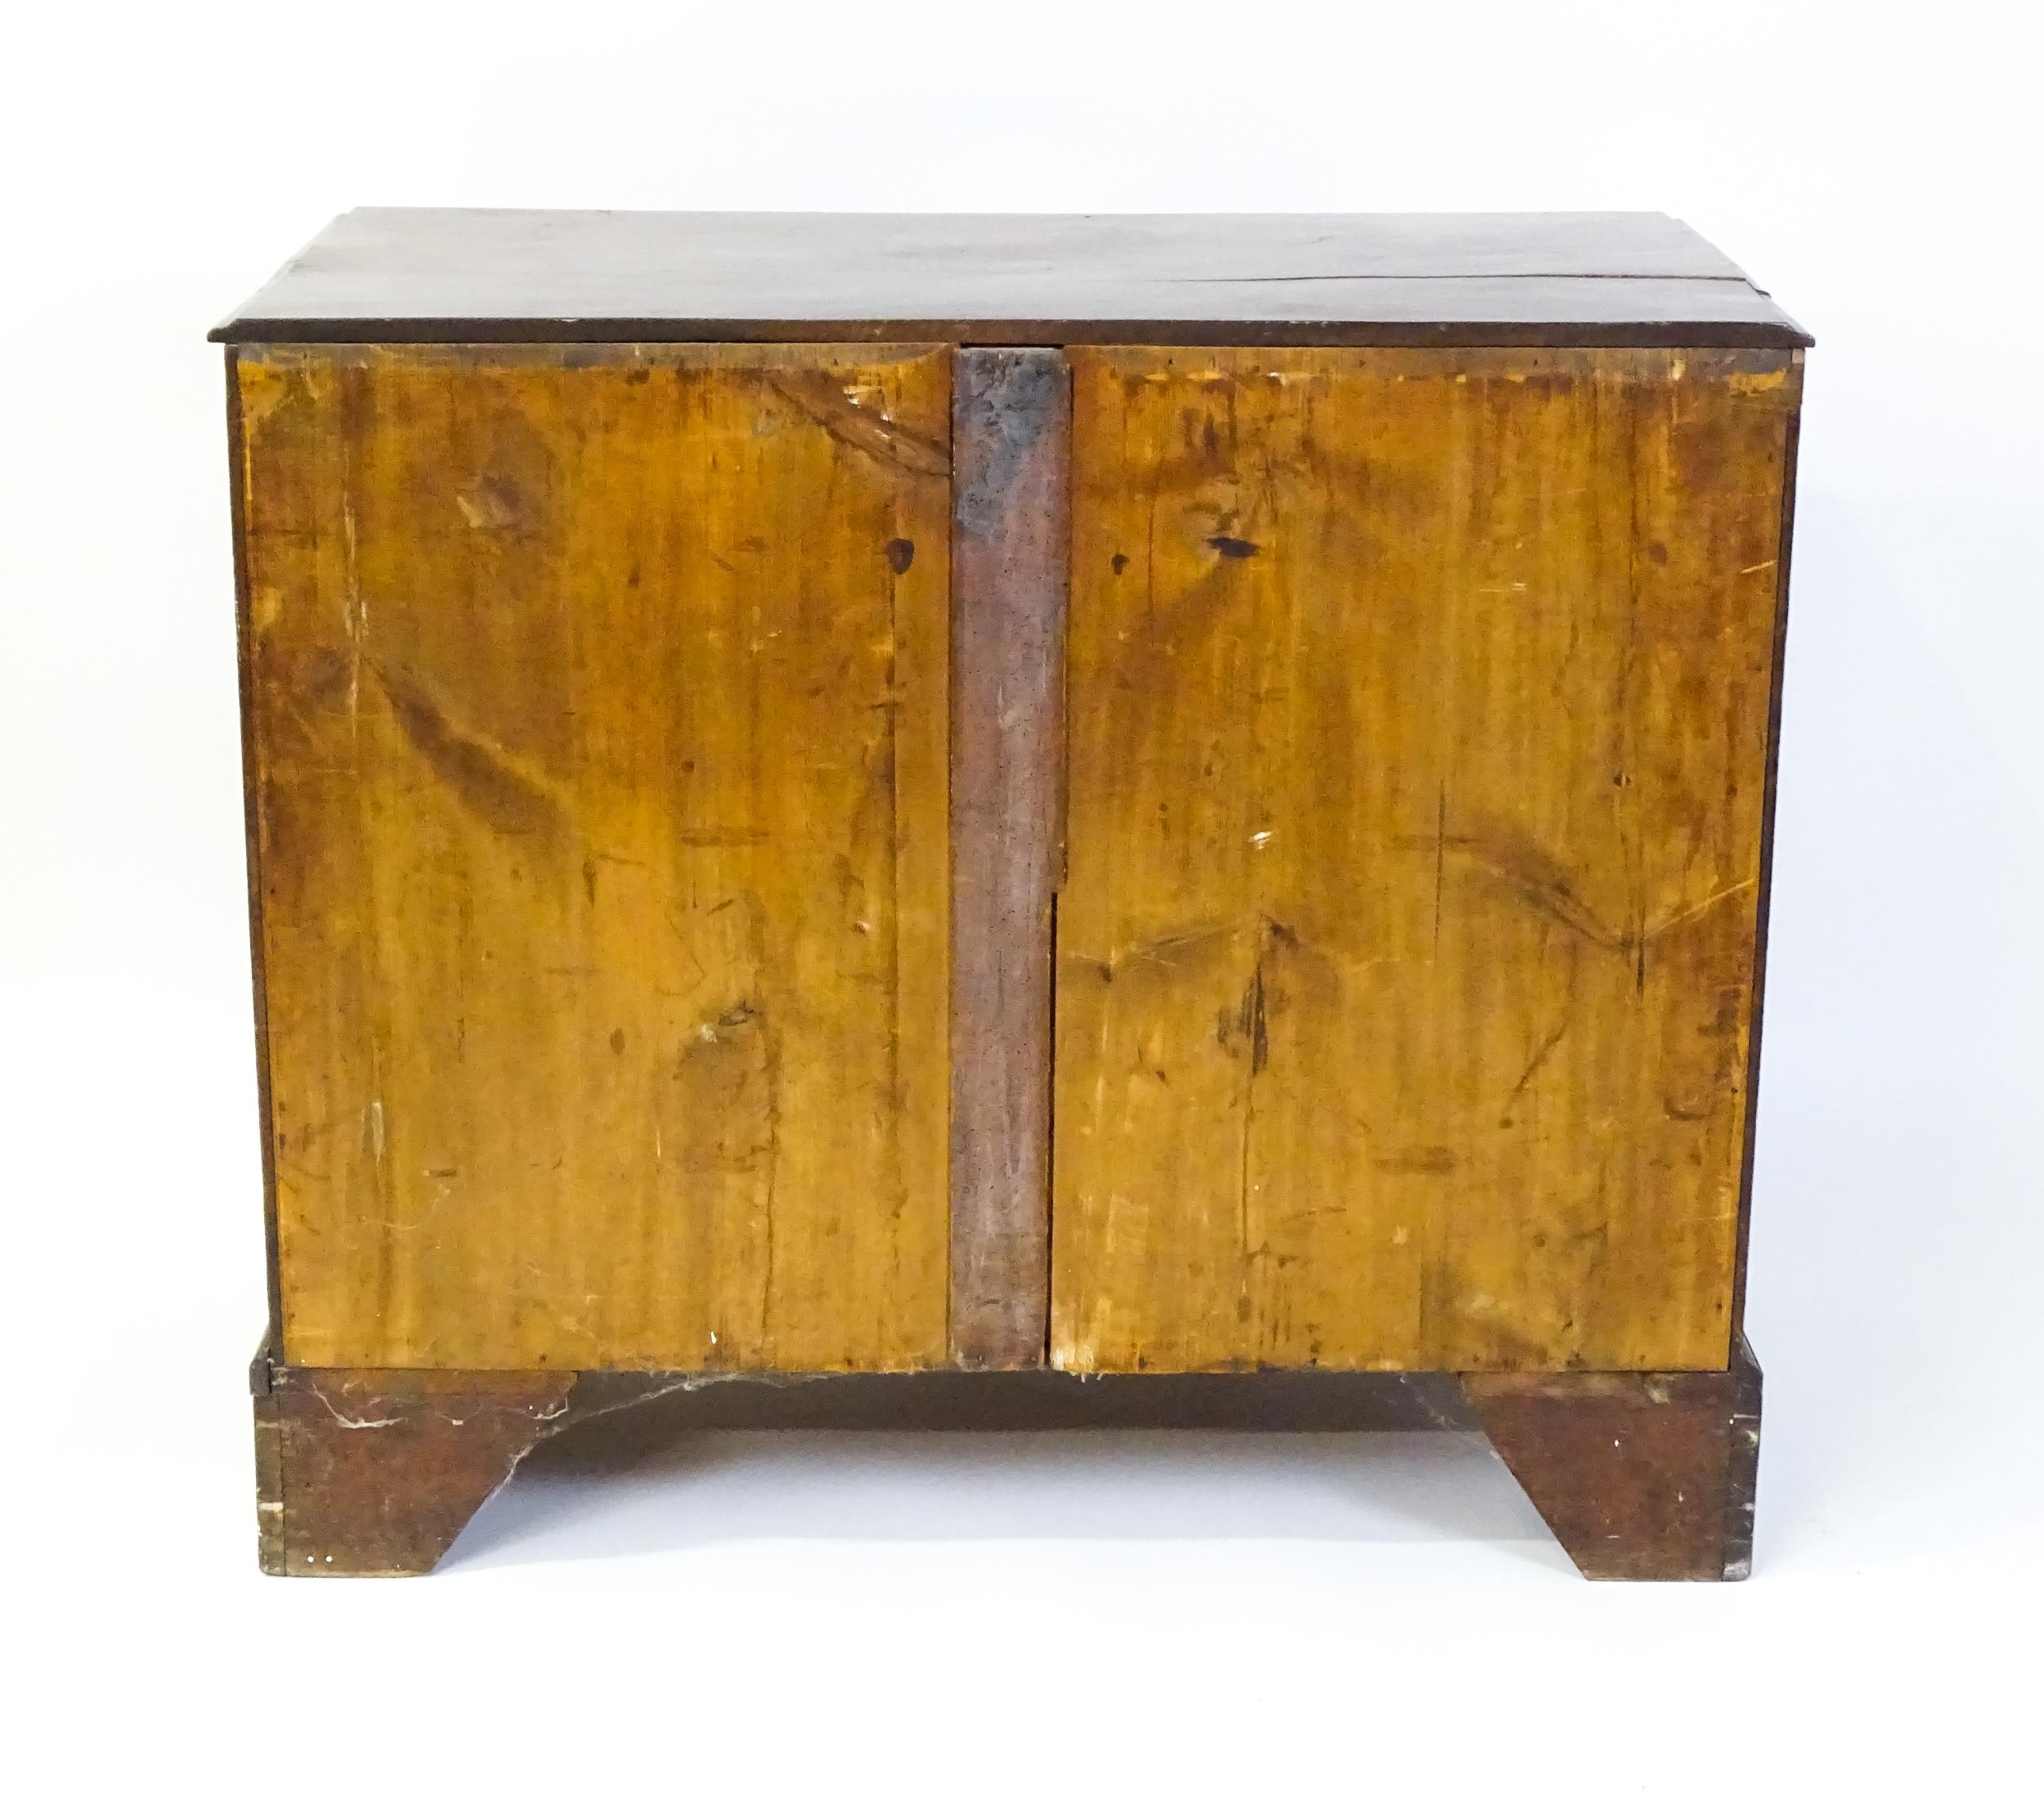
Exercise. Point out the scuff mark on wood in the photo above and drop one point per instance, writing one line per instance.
(820, 397)
(492, 504)
(1419, 1161)
(1642, 1477)
(1163, 953)
(1525, 869)
(1250, 1020)
(1529, 872)
(711, 836)
(478, 771)
(373, 1472)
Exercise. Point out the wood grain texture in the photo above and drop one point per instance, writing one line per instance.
(1767, 860)
(1012, 411)
(1419, 722)
(599, 723)
(376, 1472)
(370, 1473)
(244, 661)
(637, 1415)
(405, 275)
(1640, 1478)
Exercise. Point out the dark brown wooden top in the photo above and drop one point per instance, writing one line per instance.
(379, 274)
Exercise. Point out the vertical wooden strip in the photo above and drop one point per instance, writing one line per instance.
(1010, 427)
(1792, 425)
(1742, 1470)
(269, 1447)
(237, 500)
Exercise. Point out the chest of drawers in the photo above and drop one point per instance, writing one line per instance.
(1010, 822)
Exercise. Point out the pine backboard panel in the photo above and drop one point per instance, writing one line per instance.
(1418, 713)
(598, 722)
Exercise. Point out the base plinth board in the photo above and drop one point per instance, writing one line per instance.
(376, 1471)
(1640, 1478)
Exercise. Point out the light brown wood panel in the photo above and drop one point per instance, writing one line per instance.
(599, 706)
(1418, 719)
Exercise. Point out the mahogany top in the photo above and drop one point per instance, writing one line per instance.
(383, 274)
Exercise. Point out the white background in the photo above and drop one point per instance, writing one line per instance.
(1137, 1613)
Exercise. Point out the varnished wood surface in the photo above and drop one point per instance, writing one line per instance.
(1011, 418)
(1767, 866)
(1419, 728)
(374, 1473)
(251, 846)
(598, 723)
(629, 1411)
(1644, 1477)
(466, 276)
